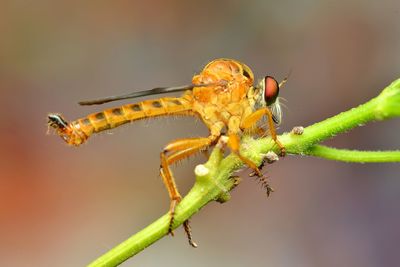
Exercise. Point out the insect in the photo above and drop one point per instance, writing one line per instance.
(222, 95)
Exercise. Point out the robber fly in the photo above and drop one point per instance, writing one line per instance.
(222, 95)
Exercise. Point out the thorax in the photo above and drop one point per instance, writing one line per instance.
(224, 99)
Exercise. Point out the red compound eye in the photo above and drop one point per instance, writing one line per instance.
(271, 90)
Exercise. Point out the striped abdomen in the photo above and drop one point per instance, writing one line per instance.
(76, 132)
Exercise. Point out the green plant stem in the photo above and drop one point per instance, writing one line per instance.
(217, 182)
(385, 106)
(353, 155)
(208, 187)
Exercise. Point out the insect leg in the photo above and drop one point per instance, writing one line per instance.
(234, 144)
(174, 152)
(252, 119)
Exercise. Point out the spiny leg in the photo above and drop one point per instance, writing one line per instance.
(178, 150)
(251, 120)
(188, 230)
(263, 180)
(173, 192)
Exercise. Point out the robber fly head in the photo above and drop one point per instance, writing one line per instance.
(270, 90)
(269, 96)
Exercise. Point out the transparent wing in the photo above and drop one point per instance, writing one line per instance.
(154, 91)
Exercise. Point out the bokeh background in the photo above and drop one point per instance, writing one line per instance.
(63, 206)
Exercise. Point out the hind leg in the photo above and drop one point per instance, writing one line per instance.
(174, 152)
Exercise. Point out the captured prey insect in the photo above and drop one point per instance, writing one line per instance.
(222, 95)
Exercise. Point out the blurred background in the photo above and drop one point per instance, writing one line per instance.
(63, 206)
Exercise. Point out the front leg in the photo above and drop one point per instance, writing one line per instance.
(251, 121)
